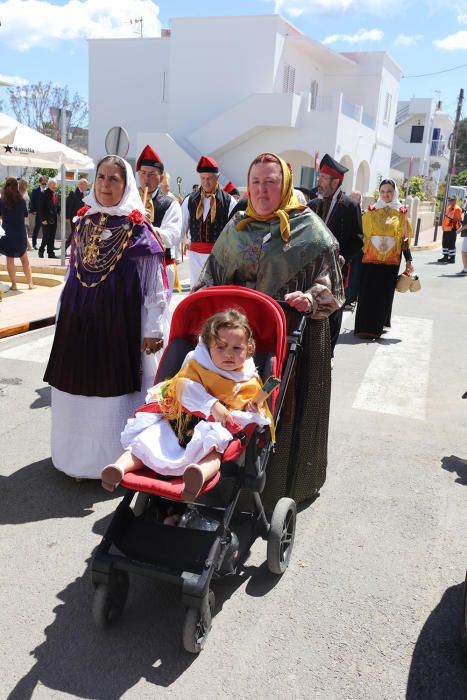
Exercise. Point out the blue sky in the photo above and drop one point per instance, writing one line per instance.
(47, 40)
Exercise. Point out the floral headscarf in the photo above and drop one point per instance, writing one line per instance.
(289, 201)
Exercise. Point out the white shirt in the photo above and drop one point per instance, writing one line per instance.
(170, 229)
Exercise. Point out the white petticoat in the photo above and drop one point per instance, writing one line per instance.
(86, 430)
(149, 436)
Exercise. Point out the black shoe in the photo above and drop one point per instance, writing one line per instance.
(52, 255)
(444, 259)
(57, 247)
(41, 253)
(452, 259)
(35, 247)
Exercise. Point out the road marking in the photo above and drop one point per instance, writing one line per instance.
(32, 351)
(396, 380)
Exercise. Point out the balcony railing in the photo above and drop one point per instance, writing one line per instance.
(329, 103)
(439, 148)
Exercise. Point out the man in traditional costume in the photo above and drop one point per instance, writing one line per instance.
(343, 217)
(163, 211)
(288, 253)
(204, 215)
(231, 189)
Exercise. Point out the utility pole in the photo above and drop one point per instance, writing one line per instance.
(452, 155)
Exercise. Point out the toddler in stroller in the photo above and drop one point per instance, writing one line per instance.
(172, 434)
(214, 535)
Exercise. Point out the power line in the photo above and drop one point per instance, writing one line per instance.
(438, 72)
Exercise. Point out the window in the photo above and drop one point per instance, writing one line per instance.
(416, 134)
(387, 108)
(313, 95)
(289, 78)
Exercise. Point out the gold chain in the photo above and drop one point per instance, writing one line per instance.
(96, 252)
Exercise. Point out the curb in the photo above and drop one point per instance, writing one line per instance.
(25, 327)
(429, 246)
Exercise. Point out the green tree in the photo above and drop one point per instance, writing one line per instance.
(460, 178)
(415, 186)
(30, 104)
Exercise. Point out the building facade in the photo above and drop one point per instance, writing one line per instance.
(421, 139)
(232, 87)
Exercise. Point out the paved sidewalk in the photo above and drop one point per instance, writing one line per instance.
(425, 239)
(26, 309)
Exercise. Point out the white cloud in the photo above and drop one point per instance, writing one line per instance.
(294, 8)
(408, 39)
(462, 19)
(452, 42)
(12, 80)
(30, 23)
(360, 36)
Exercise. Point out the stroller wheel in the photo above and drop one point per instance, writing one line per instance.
(109, 600)
(198, 623)
(281, 535)
(464, 617)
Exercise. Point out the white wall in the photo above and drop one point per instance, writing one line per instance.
(215, 63)
(126, 79)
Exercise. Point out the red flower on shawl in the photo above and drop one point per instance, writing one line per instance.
(136, 217)
(371, 207)
(82, 211)
(403, 210)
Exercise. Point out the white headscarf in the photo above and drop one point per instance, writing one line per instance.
(395, 204)
(131, 198)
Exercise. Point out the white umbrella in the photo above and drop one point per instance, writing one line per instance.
(8, 129)
(31, 149)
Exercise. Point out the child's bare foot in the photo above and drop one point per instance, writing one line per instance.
(13, 288)
(193, 480)
(32, 286)
(111, 477)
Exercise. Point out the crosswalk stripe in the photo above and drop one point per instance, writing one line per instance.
(396, 380)
(32, 351)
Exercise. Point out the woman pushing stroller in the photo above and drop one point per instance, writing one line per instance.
(189, 420)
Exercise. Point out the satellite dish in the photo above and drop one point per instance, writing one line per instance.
(117, 142)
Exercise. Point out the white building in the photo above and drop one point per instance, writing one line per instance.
(232, 87)
(421, 138)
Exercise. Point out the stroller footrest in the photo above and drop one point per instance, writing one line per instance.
(148, 481)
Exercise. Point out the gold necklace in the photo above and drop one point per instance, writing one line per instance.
(98, 248)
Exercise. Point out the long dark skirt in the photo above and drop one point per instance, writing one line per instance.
(377, 286)
(298, 467)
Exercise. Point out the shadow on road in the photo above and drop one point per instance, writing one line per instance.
(43, 399)
(146, 643)
(348, 338)
(39, 492)
(81, 661)
(456, 465)
(438, 670)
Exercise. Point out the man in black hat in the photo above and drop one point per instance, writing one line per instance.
(204, 215)
(343, 217)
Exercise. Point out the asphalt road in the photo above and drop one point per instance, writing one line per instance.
(370, 605)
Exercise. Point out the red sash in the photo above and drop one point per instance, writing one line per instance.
(204, 248)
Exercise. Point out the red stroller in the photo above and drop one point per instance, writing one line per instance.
(216, 533)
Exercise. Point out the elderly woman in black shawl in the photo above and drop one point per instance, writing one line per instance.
(279, 247)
